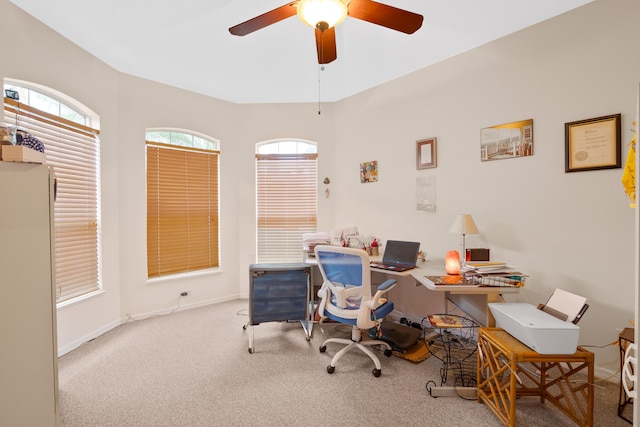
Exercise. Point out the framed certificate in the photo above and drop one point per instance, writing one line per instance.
(593, 144)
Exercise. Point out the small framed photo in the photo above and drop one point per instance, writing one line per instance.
(426, 153)
(369, 172)
(593, 144)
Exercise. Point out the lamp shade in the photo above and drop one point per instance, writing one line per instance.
(322, 14)
(464, 224)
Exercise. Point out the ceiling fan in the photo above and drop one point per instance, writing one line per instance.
(324, 15)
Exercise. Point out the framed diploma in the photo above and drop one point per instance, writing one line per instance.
(426, 154)
(593, 144)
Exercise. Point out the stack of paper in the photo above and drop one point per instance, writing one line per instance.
(493, 273)
(486, 267)
(311, 240)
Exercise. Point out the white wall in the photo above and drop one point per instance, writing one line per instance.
(566, 230)
(32, 52)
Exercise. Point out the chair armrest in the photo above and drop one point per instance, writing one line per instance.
(385, 287)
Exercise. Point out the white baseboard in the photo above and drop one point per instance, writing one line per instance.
(88, 337)
(139, 316)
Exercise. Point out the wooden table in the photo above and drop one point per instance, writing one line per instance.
(508, 369)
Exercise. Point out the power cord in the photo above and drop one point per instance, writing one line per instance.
(176, 308)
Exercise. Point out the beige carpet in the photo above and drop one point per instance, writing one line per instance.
(193, 368)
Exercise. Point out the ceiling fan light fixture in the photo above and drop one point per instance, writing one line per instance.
(322, 14)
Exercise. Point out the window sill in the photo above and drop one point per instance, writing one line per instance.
(189, 275)
(77, 300)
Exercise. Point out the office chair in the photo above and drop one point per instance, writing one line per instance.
(345, 297)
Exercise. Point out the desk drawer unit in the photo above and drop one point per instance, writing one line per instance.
(279, 292)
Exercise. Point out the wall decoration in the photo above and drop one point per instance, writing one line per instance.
(369, 172)
(426, 194)
(426, 154)
(593, 144)
(507, 141)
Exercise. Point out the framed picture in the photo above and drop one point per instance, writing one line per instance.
(369, 172)
(507, 141)
(426, 153)
(593, 144)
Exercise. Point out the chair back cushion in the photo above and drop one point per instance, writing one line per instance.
(343, 268)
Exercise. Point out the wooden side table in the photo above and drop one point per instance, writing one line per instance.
(508, 369)
(624, 339)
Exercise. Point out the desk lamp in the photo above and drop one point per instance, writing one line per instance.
(464, 225)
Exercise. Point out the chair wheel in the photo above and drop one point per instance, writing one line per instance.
(250, 351)
(323, 348)
(377, 372)
(332, 369)
(388, 352)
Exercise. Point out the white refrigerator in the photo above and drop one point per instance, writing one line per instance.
(28, 349)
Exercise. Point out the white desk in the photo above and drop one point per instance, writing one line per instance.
(473, 300)
(425, 298)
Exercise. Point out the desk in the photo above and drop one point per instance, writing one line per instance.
(473, 300)
(502, 377)
(415, 297)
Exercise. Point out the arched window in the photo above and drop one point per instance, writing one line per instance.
(182, 202)
(69, 132)
(286, 198)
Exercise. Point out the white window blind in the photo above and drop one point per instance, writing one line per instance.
(182, 209)
(73, 151)
(286, 204)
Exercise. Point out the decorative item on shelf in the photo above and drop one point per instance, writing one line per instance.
(32, 142)
(452, 262)
(464, 225)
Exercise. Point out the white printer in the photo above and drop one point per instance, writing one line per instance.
(537, 329)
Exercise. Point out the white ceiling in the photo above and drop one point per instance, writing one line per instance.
(187, 44)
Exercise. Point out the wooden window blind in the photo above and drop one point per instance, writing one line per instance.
(74, 152)
(286, 204)
(182, 209)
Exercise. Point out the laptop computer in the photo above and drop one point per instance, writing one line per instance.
(398, 256)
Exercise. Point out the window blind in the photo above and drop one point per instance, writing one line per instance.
(182, 209)
(286, 204)
(73, 151)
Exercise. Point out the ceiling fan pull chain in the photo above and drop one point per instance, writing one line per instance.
(320, 70)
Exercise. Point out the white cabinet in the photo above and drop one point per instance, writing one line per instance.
(28, 350)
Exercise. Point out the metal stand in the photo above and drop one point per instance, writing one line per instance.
(455, 345)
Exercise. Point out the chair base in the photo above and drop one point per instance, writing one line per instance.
(357, 342)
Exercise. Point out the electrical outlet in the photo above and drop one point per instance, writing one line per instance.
(184, 293)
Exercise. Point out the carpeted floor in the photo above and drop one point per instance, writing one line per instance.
(193, 368)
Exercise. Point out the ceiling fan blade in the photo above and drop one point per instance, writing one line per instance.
(385, 15)
(264, 20)
(326, 45)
